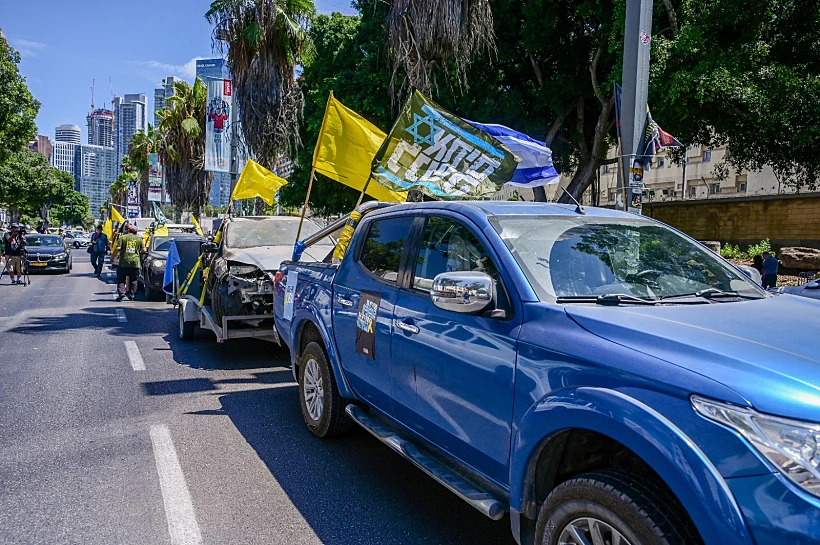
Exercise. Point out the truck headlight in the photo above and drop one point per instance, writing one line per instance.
(158, 263)
(792, 446)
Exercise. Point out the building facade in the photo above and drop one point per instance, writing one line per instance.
(162, 93)
(63, 155)
(42, 145)
(68, 133)
(101, 128)
(130, 116)
(95, 169)
(216, 69)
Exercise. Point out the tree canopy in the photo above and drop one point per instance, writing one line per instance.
(18, 108)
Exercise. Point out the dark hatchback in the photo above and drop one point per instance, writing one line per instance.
(47, 253)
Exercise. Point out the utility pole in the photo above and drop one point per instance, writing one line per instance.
(637, 44)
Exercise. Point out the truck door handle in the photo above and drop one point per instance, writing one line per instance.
(344, 302)
(404, 326)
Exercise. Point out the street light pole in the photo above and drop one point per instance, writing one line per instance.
(637, 38)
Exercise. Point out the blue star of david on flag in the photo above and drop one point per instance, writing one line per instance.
(413, 129)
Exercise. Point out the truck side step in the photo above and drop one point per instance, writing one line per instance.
(479, 499)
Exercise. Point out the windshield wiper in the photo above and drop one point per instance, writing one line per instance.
(713, 293)
(609, 299)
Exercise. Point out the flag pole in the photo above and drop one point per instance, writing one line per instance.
(364, 190)
(307, 198)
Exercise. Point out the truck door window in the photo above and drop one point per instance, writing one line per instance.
(384, 246)
(448, 246)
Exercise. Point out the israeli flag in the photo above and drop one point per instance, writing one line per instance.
(173, 261)
(536, 168)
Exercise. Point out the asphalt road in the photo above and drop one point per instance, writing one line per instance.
(113, 431)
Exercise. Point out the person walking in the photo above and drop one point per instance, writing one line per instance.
(13, 246)
(130, 248)
(99, 247)
(770, 264)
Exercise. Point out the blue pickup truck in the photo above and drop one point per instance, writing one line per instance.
(599, 376)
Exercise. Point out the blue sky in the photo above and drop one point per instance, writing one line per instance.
(64, 45)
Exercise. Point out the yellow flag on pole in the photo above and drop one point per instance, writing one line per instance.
(108, 229)
(196, 225)
(116, 216)
(346, 147)
(257, 181)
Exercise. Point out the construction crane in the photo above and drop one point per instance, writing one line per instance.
(92, 95)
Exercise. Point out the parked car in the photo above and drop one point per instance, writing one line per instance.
(810, 289)
(153, 265)
(598, 375)
(48, 253)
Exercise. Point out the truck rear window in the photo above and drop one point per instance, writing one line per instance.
(384, 245)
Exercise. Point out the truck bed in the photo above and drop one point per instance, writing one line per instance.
(313, 294)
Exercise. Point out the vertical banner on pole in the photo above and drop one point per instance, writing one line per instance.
(217, 125)
(154, 178)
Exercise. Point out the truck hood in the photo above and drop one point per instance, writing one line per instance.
(268, 258)
(767, 350)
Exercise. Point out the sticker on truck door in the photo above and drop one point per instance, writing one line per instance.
(366, 324)
(290, 293)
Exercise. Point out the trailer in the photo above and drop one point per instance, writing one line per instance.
(193, 315)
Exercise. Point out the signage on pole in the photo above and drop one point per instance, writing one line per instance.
(154, 178)
(218, 125)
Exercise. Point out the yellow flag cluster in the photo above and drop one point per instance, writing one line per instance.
(345, 150)
(257, 181)
(108, 226)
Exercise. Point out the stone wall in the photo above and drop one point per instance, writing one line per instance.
(787, 220)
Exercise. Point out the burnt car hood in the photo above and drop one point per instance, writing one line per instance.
(268, 258)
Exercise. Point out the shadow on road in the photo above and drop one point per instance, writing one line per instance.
(351, 489)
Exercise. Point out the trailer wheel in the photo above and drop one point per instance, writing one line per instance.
(186, 329)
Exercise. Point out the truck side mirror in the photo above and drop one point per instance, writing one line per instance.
(464, 292)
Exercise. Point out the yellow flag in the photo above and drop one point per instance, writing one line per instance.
(108, 229)
(257, 181)
(116, 216)
(161, 231)
(196, 223)
(345, 150)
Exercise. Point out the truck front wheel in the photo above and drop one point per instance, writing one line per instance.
(614, 506)
(323, 408)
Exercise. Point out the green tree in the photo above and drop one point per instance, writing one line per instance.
(18, 108)
(74, 210)
(182, 145)
(264, 41)
(142, 145)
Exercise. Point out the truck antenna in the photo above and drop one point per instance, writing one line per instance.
(578, 208)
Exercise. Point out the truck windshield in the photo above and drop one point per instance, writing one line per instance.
(250, 233)
(588, 256)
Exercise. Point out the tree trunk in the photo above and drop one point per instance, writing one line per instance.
(585, 173)
(539, 194)
(144, 208)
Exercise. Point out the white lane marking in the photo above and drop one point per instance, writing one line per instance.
(121, 315)
(134, 356)
(179, 509)
(114, 294)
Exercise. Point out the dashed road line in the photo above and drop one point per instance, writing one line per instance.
(134, 356)
(121, 315)
(179, 509)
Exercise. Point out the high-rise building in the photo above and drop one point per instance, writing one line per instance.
(216, 69)
(68, 133)
(130, 116)
(95, 169)
(63, 156)
(101, 128)
(42, 145)
(163, 92)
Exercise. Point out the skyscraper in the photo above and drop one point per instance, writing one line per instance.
(130, 116)
(161, 93)
(217, 69)
(63, 155)
(42, 145)
(95, 169)
(68, 133)
(101, 127)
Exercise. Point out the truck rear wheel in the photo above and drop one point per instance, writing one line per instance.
(614, 506)
(323, 408)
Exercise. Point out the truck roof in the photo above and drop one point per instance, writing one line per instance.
(503, 208)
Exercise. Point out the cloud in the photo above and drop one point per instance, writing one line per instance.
(27, 48)
(186, 70)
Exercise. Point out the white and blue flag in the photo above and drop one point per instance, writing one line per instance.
(536, 168)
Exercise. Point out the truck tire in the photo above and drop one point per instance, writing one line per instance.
(610, 502)
(323, 408)
(186, 329)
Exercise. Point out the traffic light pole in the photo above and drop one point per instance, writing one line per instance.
(637, 44)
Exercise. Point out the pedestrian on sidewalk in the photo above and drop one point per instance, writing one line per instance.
(99, 247)
(130, 248)
(770, 264)
(13, 247)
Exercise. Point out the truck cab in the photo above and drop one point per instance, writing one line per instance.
(597, 375)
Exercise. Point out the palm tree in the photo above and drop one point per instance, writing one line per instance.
(119, 189)
(423, 34)
(142, 145)
(264, 41)
(182, 146)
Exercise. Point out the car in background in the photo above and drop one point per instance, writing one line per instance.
(47, 253)
(78, 239)
(153, 266)
(809, 289)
